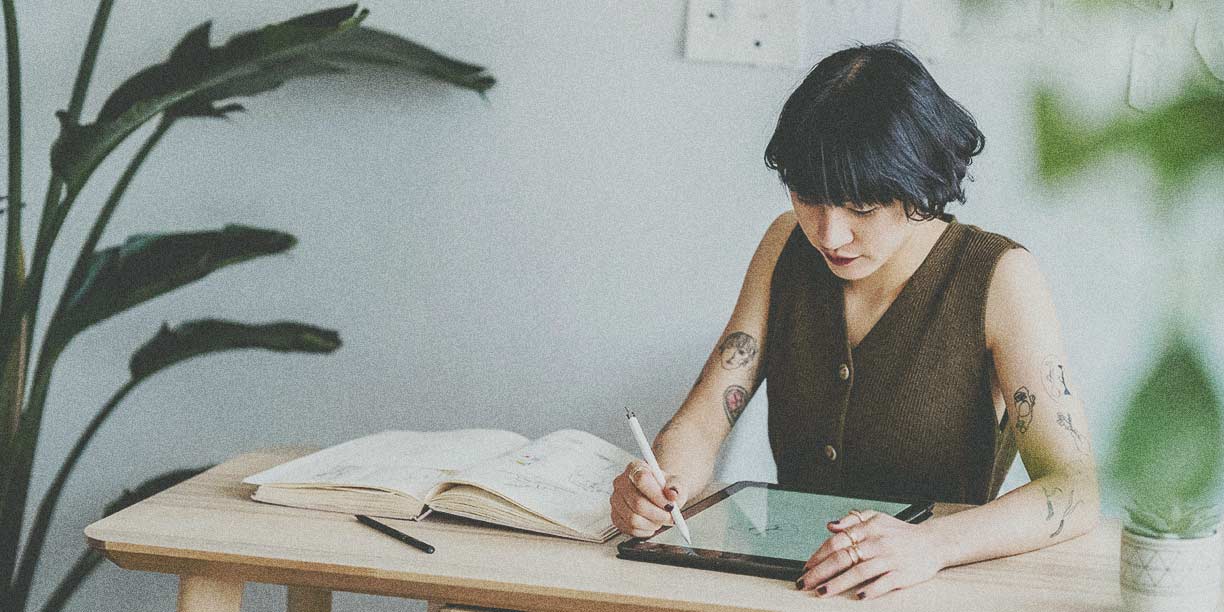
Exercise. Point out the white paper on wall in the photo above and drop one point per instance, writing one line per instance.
(930, 27)
(1209, 41)
(1161, 62)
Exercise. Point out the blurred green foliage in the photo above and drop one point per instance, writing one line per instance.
(1170, 451)
(1179, 139)
(1169, 455)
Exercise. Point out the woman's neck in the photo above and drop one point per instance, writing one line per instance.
(887, 281)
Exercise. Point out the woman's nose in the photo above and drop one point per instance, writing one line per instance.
(834, 230)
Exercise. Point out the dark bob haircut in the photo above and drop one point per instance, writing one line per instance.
(869, 125)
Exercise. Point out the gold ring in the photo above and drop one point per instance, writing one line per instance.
(858, 555)
(637, 469)
(853, 540)
(859, 515)
(854, 554)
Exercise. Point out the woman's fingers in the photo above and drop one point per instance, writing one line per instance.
(629, 522)
(831, 545)
(634, 512)
(842, 538)
(675, 491)
(644, 481)
(852, 518)
(837, 562)
(885, 583)
(853, 577)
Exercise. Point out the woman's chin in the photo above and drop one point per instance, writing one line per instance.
(857, 270)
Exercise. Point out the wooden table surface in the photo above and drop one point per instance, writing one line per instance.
(208, 530)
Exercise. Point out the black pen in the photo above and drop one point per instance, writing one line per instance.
(395, 533)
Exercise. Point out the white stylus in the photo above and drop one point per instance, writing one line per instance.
(677, 518)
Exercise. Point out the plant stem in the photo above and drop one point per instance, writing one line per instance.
(55, 211)
(25, 444)
(11, 392)
(83, 566)
(88, 58)
(18, 455)
(33, 416)
(38, 533)
(12, 245)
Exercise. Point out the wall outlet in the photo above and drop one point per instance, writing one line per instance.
(760, 32)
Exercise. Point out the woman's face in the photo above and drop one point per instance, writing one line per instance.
(855, 241)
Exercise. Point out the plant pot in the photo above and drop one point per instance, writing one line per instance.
(1170, 574)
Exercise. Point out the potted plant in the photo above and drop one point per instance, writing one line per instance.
(197, 81)
(1168, 460)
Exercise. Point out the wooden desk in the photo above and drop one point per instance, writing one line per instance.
(209, 532)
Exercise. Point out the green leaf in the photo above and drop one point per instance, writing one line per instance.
(1169, 450)
(1062, 148)
(148, 265)
(1179, 139)
(370, 46)
(195, 338)
(193, 68)
(192, 54)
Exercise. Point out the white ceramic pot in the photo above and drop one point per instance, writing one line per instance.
(1171, 574)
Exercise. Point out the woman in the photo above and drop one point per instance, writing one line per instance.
(907, 355)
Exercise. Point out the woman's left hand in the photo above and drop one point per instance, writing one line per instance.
(874, 548)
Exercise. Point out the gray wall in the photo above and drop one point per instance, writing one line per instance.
(539, 261)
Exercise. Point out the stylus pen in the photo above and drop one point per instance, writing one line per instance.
(647, 454)
(395, 533)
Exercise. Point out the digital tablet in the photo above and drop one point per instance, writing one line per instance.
(758, 528)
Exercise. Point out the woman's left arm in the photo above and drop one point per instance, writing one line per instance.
(1062, 500)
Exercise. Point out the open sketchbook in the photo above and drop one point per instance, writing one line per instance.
(558, 484)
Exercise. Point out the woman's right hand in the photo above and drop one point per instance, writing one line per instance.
(640, 503)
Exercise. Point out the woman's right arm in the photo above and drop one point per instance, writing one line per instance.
(688, 444)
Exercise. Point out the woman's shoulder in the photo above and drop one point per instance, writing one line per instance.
(784, 225)
(780, 232)
(1016, 288)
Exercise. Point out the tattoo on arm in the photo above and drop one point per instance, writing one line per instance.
(1055, 379)
(1025, 402)
(1081, 442)
(735, 399)
(737, 350)
(1054, 496)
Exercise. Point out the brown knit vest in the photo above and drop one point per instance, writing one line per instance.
(913, 416)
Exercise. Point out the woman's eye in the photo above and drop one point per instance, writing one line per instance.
(863, 212)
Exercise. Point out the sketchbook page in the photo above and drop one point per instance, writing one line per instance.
(410, 462)
(565, 477)
(476, 503)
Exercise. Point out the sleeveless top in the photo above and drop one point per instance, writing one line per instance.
(908, 413)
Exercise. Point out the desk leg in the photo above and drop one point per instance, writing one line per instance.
(204, 594)
(308, 599)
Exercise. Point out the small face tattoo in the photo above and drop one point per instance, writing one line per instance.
(1055, 379)
(1025, 402)
(737, 351)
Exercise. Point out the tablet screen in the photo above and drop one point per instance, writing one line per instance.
(768, 522)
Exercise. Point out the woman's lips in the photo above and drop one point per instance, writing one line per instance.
(839, 261)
